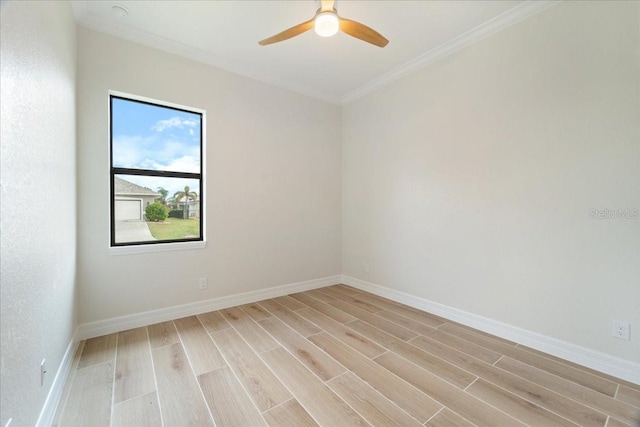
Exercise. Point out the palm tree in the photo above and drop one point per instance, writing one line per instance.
(186, 194)
(163, 195)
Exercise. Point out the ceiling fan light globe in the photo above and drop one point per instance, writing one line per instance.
(326, 24)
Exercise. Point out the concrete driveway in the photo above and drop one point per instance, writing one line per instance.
(132, 231)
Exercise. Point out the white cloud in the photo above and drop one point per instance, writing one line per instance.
(184, 164)
(154, 154)
(127, 150)
(174, 122)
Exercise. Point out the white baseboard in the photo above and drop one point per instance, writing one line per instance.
(55, 392)
(117, 324)
(620, 368)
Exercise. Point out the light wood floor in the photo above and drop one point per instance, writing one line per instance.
(332, 357)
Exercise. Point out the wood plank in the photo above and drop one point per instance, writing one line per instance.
(162, 334)
(515, 406)
(326, 309)
(317, 294)
(384, 303)
(431, 363)
(139, 411)
(134, 371)
(354, 301)
(565, 371)
(202, 352)
(482, 333)
(448, 418)
(417, 327)
(308, 354)
(336, 290)
(528, 390)
(341, 332)
(98, 350)
(370, 404)
(402, 309)
(558, 368)
(229, 403)
(255, 311)
(321, 403)
(89, 402)
(257, 338)
(629, 395)
(448, 395)
(289, 414)
(611, 378)
(380, 323)
(620, 381)
(605, 404)
(463, 345)
(213, 321)
(415, 315)
(289, 302)
(263, 387)
(343, 290)
(180, 397)
(347, 289)
(295, 321)
(615, 423)
(410, 399)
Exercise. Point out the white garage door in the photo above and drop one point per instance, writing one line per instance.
(128, 209)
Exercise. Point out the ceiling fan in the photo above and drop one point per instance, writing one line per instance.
(326, 23)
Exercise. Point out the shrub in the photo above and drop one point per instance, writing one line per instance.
(176, 213)
(156, 212)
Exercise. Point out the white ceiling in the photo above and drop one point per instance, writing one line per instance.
(339, 69)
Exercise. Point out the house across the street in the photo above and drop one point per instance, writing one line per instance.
(131, 200)
(194, 208)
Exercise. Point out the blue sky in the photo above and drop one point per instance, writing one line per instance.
(158, 138)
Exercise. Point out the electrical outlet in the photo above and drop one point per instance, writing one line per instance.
(43, 370)
(621, 330)
(365, 267)
(203, 284)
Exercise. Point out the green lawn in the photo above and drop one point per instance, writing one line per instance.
(173, 228)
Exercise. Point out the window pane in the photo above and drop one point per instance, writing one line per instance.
(179, 196)
(146, 136)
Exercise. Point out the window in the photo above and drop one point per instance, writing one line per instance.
(156, 152)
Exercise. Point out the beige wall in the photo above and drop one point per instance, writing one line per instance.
(470, 183)
(272, 178)
(38, 198)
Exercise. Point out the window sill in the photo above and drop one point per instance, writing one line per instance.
(156, 247)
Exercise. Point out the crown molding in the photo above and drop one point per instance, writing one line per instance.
(516, 14)
(500, 22)
(144, 38)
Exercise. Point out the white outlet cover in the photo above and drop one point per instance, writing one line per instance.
(621, 330)
(203, 283)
